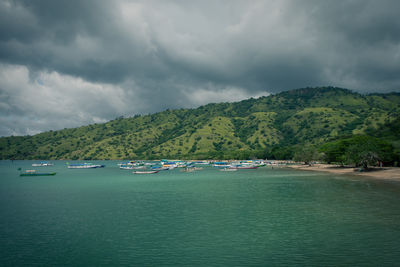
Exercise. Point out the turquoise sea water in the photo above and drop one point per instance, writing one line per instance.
(263, 217)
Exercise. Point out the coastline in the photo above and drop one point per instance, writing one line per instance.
(387, 173)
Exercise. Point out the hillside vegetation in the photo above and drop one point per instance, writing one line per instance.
(274, 126)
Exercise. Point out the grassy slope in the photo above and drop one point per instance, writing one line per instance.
(310, 115)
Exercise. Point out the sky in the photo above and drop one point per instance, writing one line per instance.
(70, 63)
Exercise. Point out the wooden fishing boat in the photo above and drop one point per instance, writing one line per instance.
(125, 167)
(42, 164)
(245, 167)
(35, 173)
(85, 166)
(144, 172)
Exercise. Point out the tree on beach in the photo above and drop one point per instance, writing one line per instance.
(362, 151)
(363, 158)
(306, 153)
(335, 151)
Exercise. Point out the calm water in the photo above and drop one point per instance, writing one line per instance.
(264, 217)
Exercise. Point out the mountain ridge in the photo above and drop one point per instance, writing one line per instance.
(244, 129)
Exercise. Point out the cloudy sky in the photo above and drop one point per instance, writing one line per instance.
(71, 63)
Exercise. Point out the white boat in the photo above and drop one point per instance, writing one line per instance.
(221, 164)
(130, 163)
(124, 167)
(139, 167)
(144, 172)
(243, 167)
(202, 162)
(131, 167)
(85, 166)
(42, 164)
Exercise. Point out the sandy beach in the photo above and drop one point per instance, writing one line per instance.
(379, 173)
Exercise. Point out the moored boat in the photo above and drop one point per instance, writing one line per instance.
(85, 166)
(169, 165)
(201, 162)
(144, 172)
(156, 168)
(35, 173)
(140, 168)
(244, 167)
(124, 167)
(191, 169)
(42, 164)
(221, 164)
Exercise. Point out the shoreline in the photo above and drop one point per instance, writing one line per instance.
(387, 173)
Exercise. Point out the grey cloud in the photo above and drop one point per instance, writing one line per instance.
(360, 22)
(160, 53)
(221, 42)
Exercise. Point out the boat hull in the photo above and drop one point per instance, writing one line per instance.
(41, 164)
(85, 166)
(145, 172)
(244, 168)
(38, 174)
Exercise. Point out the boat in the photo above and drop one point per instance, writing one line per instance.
(42, 164)
(131, 163)
(155, 168)
(139, 167)
(169, 165)
(125, 167)
(85, 166)
(244, 167)
(131, 167)
(201, 162)
(35, 173)
(221, 164)
(144, 172)
(191, 168)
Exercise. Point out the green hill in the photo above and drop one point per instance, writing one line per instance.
(272, 127)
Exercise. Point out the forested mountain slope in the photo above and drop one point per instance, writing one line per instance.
(271, 126)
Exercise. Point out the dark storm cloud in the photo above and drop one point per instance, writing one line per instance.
(150, 55)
